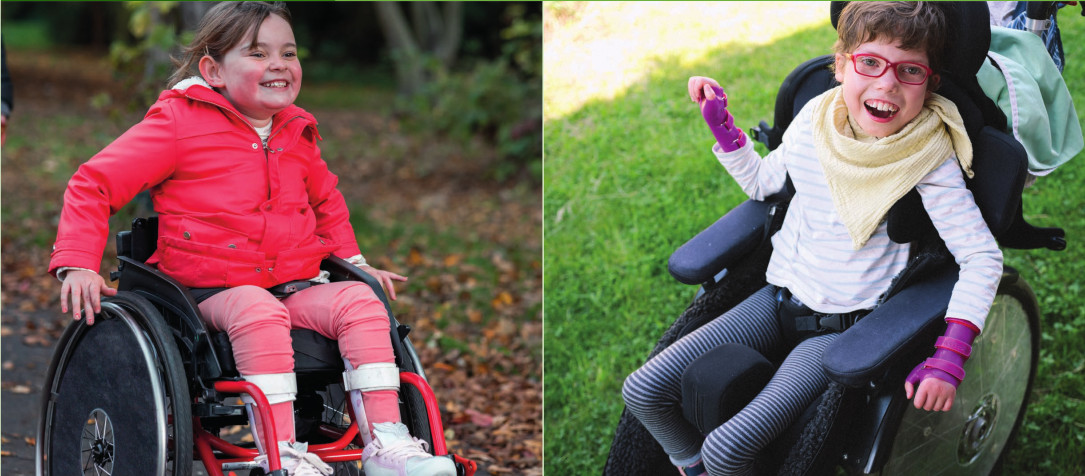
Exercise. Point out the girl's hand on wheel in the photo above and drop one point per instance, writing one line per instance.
(933, 394)
(385, 279)
(85, 289)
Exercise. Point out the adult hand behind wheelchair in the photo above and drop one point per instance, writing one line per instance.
(85, 288)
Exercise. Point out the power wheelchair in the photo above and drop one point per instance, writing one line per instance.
(147, 389)
(862, 423)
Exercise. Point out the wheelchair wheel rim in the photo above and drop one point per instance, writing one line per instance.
(970, 438)
(336, 414)
(102, 431)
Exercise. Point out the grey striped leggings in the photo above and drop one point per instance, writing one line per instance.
(653, 393)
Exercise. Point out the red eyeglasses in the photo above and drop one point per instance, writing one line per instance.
(875, 66)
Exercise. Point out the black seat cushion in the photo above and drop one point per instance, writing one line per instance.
(312, 352)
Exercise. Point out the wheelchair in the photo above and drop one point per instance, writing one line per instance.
(148, 389)
(862, 424)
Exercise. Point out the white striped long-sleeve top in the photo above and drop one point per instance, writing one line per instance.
(814, 256)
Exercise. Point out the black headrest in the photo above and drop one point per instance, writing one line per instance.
(969, 35)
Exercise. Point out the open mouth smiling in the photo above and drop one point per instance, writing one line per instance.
(881, 109)
(274, 84)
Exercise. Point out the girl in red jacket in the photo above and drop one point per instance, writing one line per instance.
(245, 203)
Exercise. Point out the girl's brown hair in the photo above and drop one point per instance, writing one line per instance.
(917, 26)
(222, 28)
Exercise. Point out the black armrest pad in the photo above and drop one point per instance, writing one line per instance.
(861, 353)
(728, 239)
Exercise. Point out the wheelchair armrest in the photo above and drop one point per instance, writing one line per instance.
(341, 270)
(183, 316)
(861, 354)
(723, 243)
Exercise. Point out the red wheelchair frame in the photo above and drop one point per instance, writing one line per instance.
(205, 444)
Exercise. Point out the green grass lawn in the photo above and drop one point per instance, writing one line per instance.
(629, 177)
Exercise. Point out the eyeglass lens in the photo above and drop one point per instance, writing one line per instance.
(909, 73)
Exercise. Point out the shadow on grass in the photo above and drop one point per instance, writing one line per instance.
(629, 180)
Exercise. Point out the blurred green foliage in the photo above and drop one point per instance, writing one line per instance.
(141, 63)
(499, 99)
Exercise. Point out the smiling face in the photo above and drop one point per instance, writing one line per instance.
(883, 105)
(258, 79)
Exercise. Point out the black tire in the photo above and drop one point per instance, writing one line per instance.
(413, 407)
(116, 397)
(991, 401)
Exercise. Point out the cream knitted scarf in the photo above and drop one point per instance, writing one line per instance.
(866, 176)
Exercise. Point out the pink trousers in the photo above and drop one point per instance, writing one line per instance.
(259, 328)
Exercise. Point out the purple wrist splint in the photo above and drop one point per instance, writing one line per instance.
(951, 351)
(721, 123)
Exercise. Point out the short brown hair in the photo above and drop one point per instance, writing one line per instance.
(918, 26)
(222, 28)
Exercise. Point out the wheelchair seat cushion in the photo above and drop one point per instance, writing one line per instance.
(721, 382)
(312, 352)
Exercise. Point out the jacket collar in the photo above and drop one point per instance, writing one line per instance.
(196, 88)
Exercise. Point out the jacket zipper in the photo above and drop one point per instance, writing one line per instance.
(265, 144)
(273, 133)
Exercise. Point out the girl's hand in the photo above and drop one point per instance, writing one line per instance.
(701, 88)
(385, 279)
(85, 288)
(709, 95)
(933, 394)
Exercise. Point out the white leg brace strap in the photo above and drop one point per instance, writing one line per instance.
(370, 377)
(278, 388)
(367, 378)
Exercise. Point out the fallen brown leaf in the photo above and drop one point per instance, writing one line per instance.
(479, 418)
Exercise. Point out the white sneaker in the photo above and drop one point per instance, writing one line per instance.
(297, 461)
(394, 452)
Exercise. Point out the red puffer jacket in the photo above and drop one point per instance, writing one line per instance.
(231, 212)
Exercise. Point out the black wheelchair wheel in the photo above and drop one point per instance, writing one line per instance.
(336, 414)
(412, 406)
(116, 399)
(991, 401)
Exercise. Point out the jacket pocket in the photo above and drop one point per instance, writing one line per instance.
(206, 265)
(204, 232)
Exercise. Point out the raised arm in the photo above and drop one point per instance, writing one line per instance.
(758, 178)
